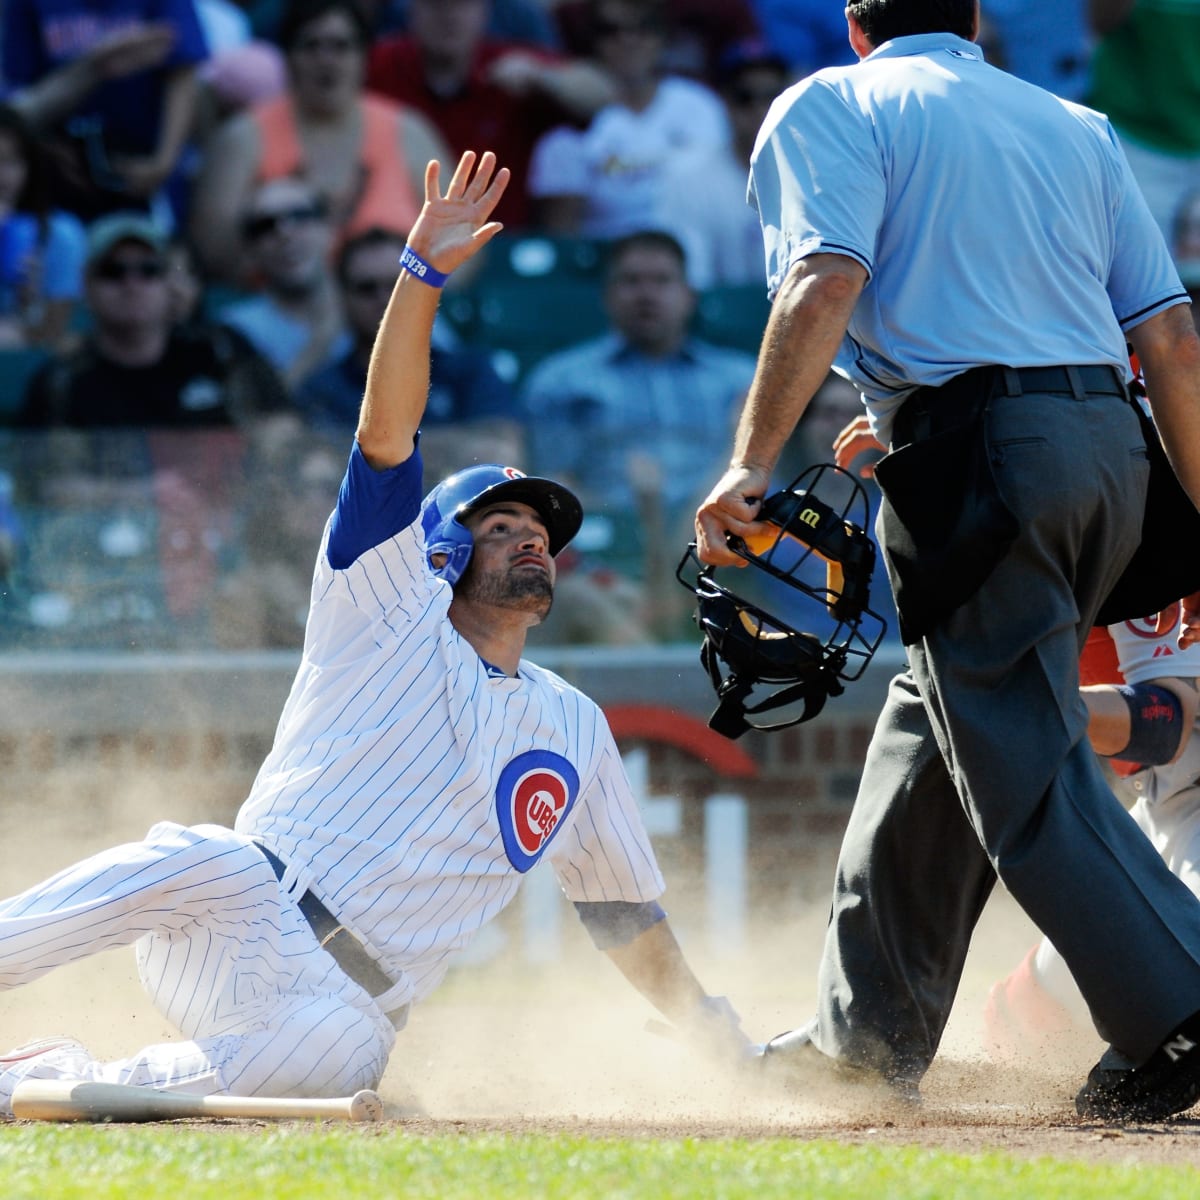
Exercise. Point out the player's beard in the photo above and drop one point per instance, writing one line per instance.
(523, 590)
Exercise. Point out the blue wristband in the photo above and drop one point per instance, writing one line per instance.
(415, 265)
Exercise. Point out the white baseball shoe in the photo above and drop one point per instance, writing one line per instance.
(48, 1058)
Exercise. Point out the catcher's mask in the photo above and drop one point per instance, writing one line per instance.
(747, 651)
(467, 491)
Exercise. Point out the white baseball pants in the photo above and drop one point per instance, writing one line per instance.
(225, 955)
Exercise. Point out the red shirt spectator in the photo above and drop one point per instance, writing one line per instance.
(484, 94)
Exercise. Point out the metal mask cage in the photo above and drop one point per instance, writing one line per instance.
(823, 557)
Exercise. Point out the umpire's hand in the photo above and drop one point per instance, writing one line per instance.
(732, 507)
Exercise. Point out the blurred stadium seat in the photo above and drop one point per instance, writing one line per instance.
(733, 315)
(536, 256)
(533, 295)
(17, 365)
(122, 535)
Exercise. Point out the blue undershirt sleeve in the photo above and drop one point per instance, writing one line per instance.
(372, 506)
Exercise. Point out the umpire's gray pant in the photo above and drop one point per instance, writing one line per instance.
(979, 767)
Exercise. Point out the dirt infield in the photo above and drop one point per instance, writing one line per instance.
(513, 1046)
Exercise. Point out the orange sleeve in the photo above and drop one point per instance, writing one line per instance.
(280, 146)
(1098, 663)
(389, 199)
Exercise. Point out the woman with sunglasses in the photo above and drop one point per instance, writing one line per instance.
(365, 155)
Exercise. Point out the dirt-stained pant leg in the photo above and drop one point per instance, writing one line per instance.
(999, 683)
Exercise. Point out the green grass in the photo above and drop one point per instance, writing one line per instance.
(298, 1163)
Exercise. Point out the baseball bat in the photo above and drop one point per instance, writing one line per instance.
(70, 1100)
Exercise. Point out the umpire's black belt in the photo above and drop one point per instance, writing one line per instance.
(959, 401)
(1078, 381)
(347, 951)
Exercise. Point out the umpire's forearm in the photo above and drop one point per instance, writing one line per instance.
(807, 324)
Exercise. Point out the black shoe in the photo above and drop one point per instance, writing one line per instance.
(1168, 1082)
(793, 1061)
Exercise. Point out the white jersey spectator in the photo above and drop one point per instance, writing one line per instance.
(604, 181)
(702, 197)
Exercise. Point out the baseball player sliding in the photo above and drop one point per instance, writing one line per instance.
(420, 767)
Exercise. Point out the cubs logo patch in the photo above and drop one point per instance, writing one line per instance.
(535, 793)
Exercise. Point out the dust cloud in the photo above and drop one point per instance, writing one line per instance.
(515, 1040)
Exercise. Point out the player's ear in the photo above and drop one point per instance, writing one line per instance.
(437, 560)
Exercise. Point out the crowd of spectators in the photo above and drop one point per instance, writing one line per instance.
(202, 205)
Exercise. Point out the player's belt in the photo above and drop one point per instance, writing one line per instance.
(347, 951)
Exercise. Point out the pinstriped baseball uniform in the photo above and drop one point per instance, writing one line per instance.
(409, 787)
(388, 774)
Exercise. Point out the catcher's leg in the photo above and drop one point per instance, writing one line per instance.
(1035, 1014)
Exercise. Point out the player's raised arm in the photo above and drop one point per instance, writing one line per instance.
(449, 230)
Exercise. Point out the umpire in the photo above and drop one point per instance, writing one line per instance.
(972, 252)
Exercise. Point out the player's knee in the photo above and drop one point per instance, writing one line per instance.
(1156, 724)
(312, 1048)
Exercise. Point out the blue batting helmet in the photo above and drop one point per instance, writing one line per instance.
(469, 490)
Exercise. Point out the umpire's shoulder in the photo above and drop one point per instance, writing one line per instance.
(1096, 121)
(824, 88)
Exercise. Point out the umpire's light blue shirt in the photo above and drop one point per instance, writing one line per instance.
(998, 223)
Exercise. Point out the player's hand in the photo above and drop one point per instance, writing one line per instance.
(732, 507)
(452, 228)
(1189, 626)
(855, 439)
(714, 1030)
